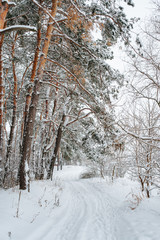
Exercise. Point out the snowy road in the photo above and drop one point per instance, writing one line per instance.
(70, 208)
(89, 215)
(86, 214)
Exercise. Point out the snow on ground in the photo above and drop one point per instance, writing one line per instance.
(69, 208)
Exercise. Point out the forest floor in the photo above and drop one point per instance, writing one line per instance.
(70, 208)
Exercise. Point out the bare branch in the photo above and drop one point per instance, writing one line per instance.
(145, 138)
(144, 96)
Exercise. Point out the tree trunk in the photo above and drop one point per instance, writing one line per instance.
(56, 148)
(11, 135)
(29, 127)
(3, 14)
(142, 183)
(35, 63)
(47, 134)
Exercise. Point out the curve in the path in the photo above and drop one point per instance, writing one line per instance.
(87, 215)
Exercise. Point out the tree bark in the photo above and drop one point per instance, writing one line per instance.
(29, 127)
(56, 148)
(3, 13)
(35, 64)
(11, 135)
(1, 115)
(47, 134)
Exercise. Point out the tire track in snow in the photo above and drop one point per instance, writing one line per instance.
(121, 227)
(87, 216)
(73, 215)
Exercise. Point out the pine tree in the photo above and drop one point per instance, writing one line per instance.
(62, 59)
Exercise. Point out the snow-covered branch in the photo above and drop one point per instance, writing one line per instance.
(47, 12)
(11, 4)
(79, 118)
(145, 138)
(78, 10)
(18, 27)
(51, 84)
(74, 42)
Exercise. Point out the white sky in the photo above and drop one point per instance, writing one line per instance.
(141, 10)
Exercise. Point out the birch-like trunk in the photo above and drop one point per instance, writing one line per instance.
(12, 130)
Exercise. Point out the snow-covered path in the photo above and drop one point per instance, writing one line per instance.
(85, 212)
(91, 209)
(86, 215)
(70, 208)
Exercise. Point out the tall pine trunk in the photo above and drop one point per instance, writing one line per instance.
(29, 126)
(3, 14)
(34, 69)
